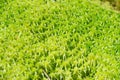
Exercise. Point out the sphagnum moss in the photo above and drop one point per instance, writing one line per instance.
(58, 40)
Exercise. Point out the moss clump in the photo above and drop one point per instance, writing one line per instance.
(58, 40)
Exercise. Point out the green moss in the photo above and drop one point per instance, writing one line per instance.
(59, 40)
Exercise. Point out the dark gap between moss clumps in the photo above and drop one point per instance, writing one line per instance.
(114, 3)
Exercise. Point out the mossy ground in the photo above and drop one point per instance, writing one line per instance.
(58, 40)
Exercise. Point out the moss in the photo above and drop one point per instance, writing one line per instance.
(63, 40)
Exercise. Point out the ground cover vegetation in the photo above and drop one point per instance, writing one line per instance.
(58, 40)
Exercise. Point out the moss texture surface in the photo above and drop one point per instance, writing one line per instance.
(58, 40)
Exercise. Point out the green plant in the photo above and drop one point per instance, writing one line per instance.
(59, 40)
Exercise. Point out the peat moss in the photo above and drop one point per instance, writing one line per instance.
(59, 40)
